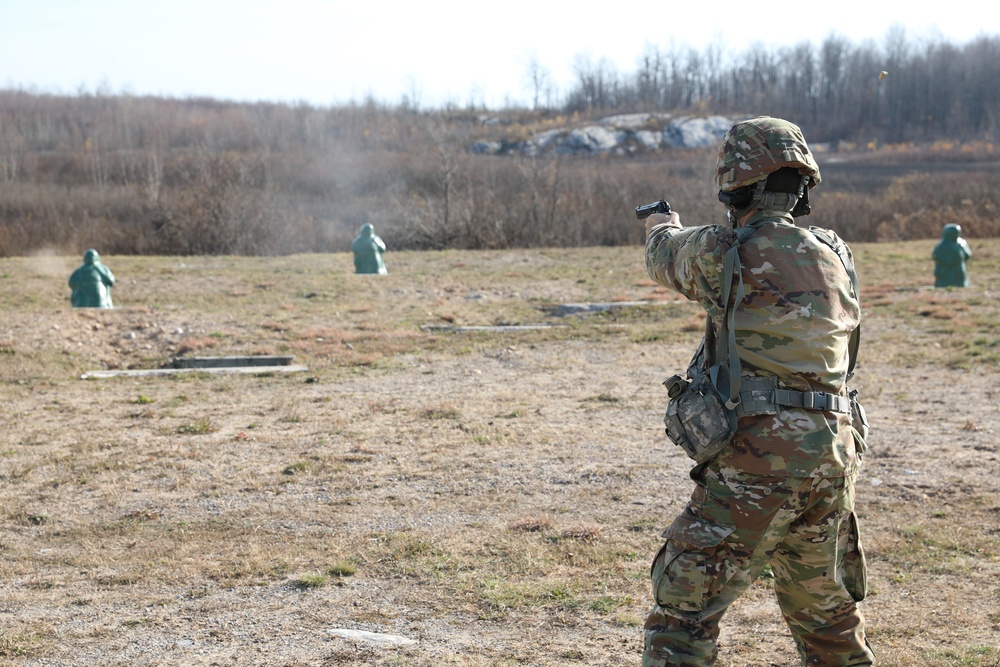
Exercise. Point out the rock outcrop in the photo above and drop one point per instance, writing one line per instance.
(620, 135)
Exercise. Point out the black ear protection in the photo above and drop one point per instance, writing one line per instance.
(741, 198)
(802, 207)
(738, 198)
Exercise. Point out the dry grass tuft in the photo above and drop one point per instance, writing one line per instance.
(195, 345)
(583, 533)
(444, 411)
(532, 524)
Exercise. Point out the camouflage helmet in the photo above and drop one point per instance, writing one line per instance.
(754, 148)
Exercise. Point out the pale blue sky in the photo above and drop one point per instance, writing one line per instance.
(437, 51)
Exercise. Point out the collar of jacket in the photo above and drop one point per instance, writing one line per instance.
(766, 215)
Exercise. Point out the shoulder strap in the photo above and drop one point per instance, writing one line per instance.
(831, 242)
(727, 356)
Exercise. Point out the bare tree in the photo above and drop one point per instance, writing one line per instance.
(538, 79)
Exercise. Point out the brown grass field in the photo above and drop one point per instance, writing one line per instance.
(495, 496)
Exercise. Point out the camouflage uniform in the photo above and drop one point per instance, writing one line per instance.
(783, 491)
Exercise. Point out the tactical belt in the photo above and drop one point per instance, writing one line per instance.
(762, 396)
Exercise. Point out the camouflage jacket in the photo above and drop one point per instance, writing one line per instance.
(794, 323)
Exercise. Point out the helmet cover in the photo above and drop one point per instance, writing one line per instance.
(753, 149)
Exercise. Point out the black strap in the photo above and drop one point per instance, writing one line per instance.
(724, 351)
(727, 335)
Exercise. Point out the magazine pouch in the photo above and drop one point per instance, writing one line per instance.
(697, 419)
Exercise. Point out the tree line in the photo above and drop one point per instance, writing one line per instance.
(901, 90)
(149, 175)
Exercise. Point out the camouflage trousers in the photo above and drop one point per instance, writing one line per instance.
(734, 525)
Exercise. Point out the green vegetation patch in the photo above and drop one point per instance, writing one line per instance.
(199, 426)
(503, 595)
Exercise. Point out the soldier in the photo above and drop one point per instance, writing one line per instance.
(368, 249)
(91, 283)
(782, 490)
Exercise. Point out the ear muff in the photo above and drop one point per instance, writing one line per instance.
(743, 197)
(802, 207)
(738, 198)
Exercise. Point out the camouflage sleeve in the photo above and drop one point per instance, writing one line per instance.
(690, 261)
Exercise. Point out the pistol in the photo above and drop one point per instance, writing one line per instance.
(643, 212)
